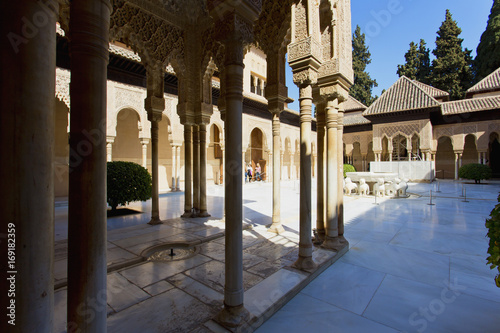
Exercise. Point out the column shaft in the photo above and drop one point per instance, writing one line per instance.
(145, 155)
(27, 150)
(456, 166)
(320, 203)
(178, 168)
(332, 217)
(155, 199)
(340, 174)
(196, 169)
(89, 26)
(203, 170)
(174, 167)
(188, 203)
(276, 225)
(234, 311)
(305, 260)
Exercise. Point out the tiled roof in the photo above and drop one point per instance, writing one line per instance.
(471, 105)
(123, 52)
(352, 104)
(491, 82)
(430, 90)
(355, 119)
(404, 95)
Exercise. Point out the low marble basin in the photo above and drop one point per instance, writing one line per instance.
(372, 177)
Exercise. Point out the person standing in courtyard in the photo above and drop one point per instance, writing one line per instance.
(257, 172)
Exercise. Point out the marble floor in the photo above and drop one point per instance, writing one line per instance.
(411, 267)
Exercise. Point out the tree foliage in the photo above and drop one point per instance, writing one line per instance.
(127, 182)
(488, 50)
(361, 57)
(418, 64)
(493, 226)
(348, 168)
(452, 68)
(477, 172)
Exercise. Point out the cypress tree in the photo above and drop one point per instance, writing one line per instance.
(488, 50)
(363, 83)
(417, 66)
(451, 70)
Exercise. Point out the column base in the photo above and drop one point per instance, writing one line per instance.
(276, 228)
(304, 263)
(332, 243)
(232, 316)
(203, 213)
(155, 221)
(342, 240)
(187, 214)
(319, 236)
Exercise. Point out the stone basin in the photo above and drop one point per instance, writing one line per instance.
(372, 177)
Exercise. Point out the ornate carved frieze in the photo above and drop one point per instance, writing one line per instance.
(471, 129)
(447, 131)
(63, 78)
(493, 127)
(407, 129)
(307, 47)
(128, 97)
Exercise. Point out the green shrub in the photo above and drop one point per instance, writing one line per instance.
(348, 168)
(127, 182)
(475, 171)
(493, 225)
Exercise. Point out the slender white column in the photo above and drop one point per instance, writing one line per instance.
(276, 226)
(89, 29)
(331, 231)
(174, 166)
(281, 163)
(320, 207)
(144, 143)
(340, 173)
(196, 170)
(109, 148)
(305, 260)
(478, 158)
(203, 170)
(155, 199)
(456, 165)
(178, 168)
(188, 203)
(234, 312)
(27, 150)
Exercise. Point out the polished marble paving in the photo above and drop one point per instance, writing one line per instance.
(411, 267)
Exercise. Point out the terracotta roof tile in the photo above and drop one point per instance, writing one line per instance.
(491, 82)
(471, 105)
(404, 95)
(352, 104)
(430, 90)
(355, 119)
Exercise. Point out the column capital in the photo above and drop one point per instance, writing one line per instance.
(335, 91)
(110, 139)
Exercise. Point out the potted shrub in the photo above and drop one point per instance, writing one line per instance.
(127, 182)
(477, 172)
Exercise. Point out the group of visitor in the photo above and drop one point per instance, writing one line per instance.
(249, 174)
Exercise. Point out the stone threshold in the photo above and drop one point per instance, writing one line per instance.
(268, 296)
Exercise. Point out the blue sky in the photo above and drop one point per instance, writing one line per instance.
(390, 26)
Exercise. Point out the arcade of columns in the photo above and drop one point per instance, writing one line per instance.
(196, 37)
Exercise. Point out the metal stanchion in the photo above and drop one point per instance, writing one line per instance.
(430, 202)
(465, 196)
(438, 190)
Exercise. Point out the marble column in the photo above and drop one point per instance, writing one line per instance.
(320, 207)
(340, 173)
(203, 170)
(282, 155)
(305, 260)
(174, 171)
(155, 198)
(178, 168)
(196, 170)
(109, 148)
(188, 203)
(144, 144)
(234, 312)
(87, 267)
(270, 167)
(27, 150)
(331, 228)
(276, 225)
(456, 165)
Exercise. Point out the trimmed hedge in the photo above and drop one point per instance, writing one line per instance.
(127, 182)
(475, 171)
(349, 168)
(493, 225)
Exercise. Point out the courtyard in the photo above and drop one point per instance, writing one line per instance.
(411, 266)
